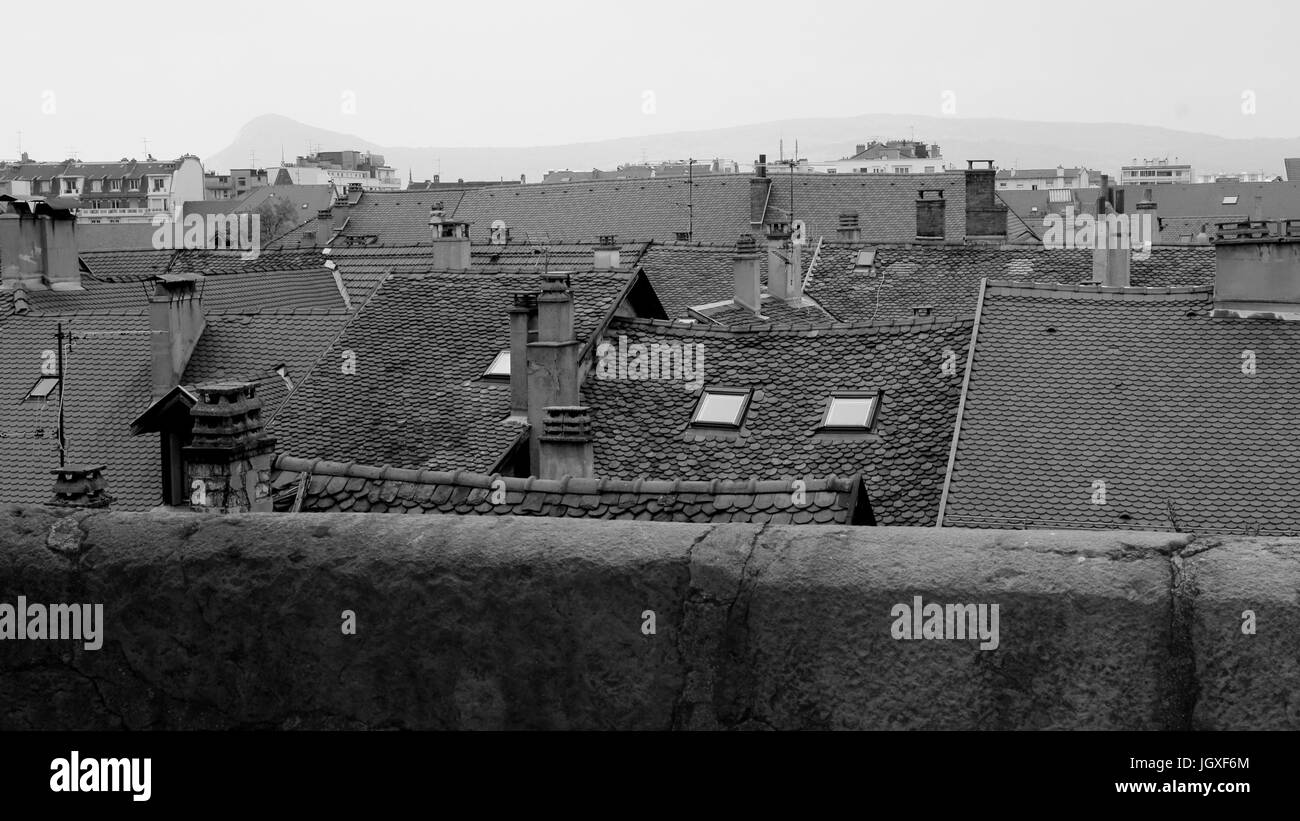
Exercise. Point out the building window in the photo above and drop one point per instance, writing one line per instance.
(721, 407)
(158, 183)
(850, 411)
(70, 186)
(901, 169)
(43, 388)
(830, 170)
(500, 367)
(929, 169)
(96, 186)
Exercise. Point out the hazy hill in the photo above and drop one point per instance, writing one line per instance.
(1011, 143)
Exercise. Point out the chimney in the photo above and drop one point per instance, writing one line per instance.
(784, 274)
(38, 251)
(176, 322)
(437, 178)
(1257, 269)
(552, 360)
(324, 226)
(523, 330)
(228, 460)
(984, 217)
(565, 442)
(354, 193)
(747, 273)
(849, 230)
(80, 486)
(523, 179)
(859, 148)
(1149, 218)
(931, 213)
(759, 187)
(606, 258)
(450, 241)
(62, 266)
(1114, 235)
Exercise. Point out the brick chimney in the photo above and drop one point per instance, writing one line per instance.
(931, 213)
(1257, 269)
(606, 257)
(985, 218)
(523, 330)
(849, 230)
(176, 322)
(1149, 214)
(228, 460)
(80, 486)
(747, 272)
(552, 360)
(450, 241)
(859, 148)
(565, 442)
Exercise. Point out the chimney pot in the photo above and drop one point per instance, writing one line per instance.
(78, 485)
(229, 457)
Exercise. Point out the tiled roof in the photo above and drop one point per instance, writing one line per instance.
(399, 217)
(947, 276)
(314, 288)
(685, 275)
(1140, 390)
(771, 309)
(643, 427)
(421, 344)
(249, 346)
(143, 264)
(885, 203)
(333, 486)
(106, 384)
(582, 211)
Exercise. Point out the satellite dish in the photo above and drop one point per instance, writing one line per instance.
(498, 232)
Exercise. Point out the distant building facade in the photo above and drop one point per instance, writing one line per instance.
(645, 171)
(233, 185)
(1155, 172)
(125, 191)
(340, 169)
(1041, 179)
(877, 157)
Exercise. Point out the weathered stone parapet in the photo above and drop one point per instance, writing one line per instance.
(513, 622)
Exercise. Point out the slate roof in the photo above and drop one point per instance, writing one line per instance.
(335, 487)
(642, 428)
(106, 384)
(947, 276)
(582, 211)
(314, 288)
(421, 344)
(1139, 389)
(1202, 201)
(400, 217)
(885, 203)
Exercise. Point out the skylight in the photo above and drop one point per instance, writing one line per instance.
(721, 407)
(500, 367)
(43, 387)
(1230, 199)
(850, 411)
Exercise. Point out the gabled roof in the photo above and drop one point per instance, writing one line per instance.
(1141, 390)
(421, 344)
(333, 486)
(642, 427)
(946, 277)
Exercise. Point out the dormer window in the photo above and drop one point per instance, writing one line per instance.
(721, 407)
(43, 388)
(500, 367)
(850, 411)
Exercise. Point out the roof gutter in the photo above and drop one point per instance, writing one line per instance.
(961, 404)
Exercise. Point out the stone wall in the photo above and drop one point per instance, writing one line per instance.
(483, 622)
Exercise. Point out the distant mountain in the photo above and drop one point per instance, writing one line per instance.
(1010, 143)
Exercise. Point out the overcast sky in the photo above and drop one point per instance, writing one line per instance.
(100, 77)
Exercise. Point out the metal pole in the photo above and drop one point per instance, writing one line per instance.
(63, 441)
